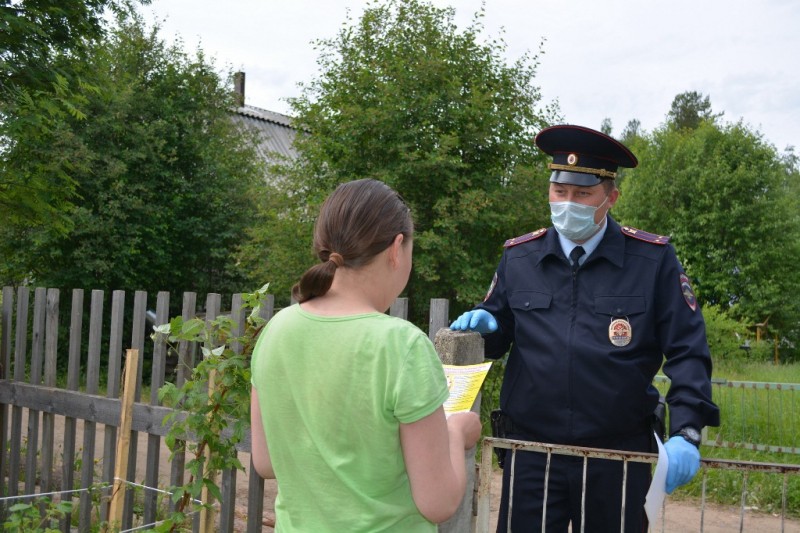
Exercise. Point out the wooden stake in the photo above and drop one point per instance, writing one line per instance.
(123, 440)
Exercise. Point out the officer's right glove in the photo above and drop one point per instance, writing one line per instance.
(684, 461)
(478, 320)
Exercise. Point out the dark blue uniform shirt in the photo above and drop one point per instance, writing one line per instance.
(565, 381)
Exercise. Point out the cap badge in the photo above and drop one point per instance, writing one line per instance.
(572, 159)
(619, 332)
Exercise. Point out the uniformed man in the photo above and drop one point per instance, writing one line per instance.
(590, 310)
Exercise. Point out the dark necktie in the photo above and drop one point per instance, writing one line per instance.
(574, 255)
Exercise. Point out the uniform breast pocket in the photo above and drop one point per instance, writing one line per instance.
(529, 300)
(620, 306)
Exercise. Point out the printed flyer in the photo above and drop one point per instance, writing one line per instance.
(464, 384)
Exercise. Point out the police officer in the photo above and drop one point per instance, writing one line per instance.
(590, 310)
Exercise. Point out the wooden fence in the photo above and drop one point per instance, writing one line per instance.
(30, 395)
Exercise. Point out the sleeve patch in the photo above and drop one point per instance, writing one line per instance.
(491, 287)
(643, 235)
(688, 293)
(525, 238)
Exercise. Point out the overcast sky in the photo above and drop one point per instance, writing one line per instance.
(620, 59)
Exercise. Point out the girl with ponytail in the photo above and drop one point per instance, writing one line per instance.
(346, 403)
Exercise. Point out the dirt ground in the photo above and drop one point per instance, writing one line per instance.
(679, 517)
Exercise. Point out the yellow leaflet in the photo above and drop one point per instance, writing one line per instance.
(464, 384)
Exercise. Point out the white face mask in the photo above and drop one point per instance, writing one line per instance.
(573, 220)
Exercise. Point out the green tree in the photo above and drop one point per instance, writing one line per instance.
(38, 155)
(405, 97)
(38, 96)
(606, 126)
(728, 200)
(166, 182)
(278, 249)
(633, 129)
(35, 32)
(689, 109)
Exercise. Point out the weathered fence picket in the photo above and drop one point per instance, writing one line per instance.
(50, 373)
(20, 350)
(138, 321)
(37, 349)
(182, 372)
(153, 440)
(92, 387)
(5, 365)
(73, 381)
(113, 389)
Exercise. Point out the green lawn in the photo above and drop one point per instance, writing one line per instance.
(754, 415)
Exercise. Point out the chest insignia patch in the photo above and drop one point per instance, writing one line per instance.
(491, 287)
(620, 332)
(688, 293)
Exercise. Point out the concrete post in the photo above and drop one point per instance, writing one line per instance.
(461, 348)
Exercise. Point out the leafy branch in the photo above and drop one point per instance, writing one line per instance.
(211, 409)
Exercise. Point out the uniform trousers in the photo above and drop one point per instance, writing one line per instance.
(603, 498)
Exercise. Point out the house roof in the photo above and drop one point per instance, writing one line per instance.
(275, 131)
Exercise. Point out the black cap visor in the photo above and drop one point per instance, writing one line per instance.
(575, 178)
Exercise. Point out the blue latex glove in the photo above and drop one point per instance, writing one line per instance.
(684, 461)
(478, 320)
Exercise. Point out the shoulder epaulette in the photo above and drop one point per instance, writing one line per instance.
(525, 238)
(644, 236)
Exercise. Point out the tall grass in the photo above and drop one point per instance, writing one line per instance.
(744, 370)
(750, 416)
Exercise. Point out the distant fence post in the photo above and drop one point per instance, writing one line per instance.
(440, 308)
(399, 308)
(461, 348)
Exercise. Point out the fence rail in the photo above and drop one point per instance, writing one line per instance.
(707, 467)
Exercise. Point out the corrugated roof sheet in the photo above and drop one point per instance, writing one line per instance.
(275, 131)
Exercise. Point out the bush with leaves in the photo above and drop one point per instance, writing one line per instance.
(39, 516)
(211, 412)
(731, 339)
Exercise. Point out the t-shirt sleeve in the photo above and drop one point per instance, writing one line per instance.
(421, 386)
(257, 357)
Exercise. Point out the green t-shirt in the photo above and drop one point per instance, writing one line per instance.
(333, 392)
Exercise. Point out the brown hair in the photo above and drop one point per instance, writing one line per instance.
(358, 221)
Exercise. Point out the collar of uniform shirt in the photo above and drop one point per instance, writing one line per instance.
(588, 247)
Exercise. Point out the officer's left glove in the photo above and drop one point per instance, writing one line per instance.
(684, 461)
(478, 320)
